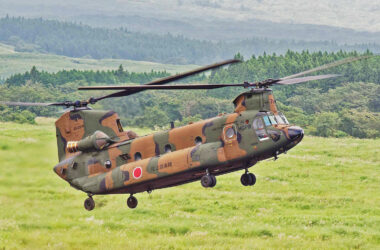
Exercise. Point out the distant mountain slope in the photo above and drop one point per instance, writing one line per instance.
(12, 62)
(76, 40)
(231, 30)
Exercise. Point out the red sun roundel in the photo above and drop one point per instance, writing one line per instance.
(137, 172)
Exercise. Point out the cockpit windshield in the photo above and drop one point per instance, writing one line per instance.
(283, 118)
(271, 119)
(266, 121)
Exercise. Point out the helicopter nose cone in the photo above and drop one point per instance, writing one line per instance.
(295, 133)
(60, 171)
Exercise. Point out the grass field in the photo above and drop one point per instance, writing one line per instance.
(12, 62)
(325, 193)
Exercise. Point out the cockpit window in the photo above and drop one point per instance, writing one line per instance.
(272, 120)
(284, 118)
(279, 119)
(118, 123)
(266, 121)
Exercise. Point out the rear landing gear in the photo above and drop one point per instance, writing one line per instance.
(132, 202)
(89, 203)
(248, 179)
(208, 180)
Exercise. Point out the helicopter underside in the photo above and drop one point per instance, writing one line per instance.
(186, 177)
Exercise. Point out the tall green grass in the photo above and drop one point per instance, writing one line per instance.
(323, 194)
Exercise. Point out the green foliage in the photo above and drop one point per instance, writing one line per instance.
(152, 117)
(188, 119)
(276, 66)
(321, 194)
(323, 108)
(326, 124)
(61, 77)
(16, 115)
(362, 124)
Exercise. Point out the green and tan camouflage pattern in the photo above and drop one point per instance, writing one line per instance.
(159, 167)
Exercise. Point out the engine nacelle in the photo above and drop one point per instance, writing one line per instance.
(96, 141)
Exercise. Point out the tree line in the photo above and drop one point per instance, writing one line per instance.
(345, 106)
(61, 77)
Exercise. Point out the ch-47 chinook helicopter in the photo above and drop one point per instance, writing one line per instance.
(98, 157)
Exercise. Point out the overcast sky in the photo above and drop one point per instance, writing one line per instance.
(355, 14)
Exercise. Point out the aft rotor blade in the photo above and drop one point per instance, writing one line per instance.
(326, 66)
(146, 87)
(305, 79)
(41, 104)
(28, 103)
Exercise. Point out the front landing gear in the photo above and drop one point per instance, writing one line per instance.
(248, 179)
(89, 203)
(132, 202)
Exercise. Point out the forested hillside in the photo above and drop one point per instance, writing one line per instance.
(77, 40)
(65, 76)
(347, 105)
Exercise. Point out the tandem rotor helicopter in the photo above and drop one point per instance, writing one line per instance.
(98, 157)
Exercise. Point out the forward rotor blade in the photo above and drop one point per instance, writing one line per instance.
(169, 79)
(305, 79)
(146, 87)
(133, 88)
(191, 72)
(326, 66)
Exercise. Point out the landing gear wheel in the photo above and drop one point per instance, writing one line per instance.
(245, 179)
(89, 204)
(248, 179)
(213, 180)
(132, 202)
(208, 180)
(253, 178)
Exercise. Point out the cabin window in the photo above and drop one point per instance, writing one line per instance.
(118, 123)
(137, 156)
(75, 165)
(108, 164)
(168, 148)
(198, 140)
(259, 128)
(230, 132)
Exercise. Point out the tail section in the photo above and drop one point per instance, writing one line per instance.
(75, 125)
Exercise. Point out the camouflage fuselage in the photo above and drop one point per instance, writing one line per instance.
(131, 164)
